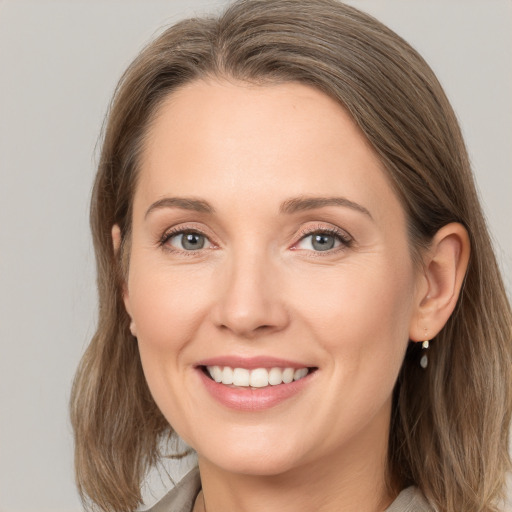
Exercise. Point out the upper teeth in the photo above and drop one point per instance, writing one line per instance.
(257, 378)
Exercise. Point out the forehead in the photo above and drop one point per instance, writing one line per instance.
(239, 115)
(237, 141)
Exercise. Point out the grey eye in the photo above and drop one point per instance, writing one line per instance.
(322, 242)
(189, 241)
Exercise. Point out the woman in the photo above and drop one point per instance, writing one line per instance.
(294, 276)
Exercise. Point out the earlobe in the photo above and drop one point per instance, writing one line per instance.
(116, 238)
(445, 267)
(116, 242)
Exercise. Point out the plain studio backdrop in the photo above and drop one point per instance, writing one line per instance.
(59, 63)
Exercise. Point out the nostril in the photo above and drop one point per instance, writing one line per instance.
(263, 328)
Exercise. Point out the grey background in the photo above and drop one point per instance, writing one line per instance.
(59, 63)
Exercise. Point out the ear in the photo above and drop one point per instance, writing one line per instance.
(439, 286)
(116, 242)
(116, 238)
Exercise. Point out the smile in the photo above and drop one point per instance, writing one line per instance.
(254, 384)
(255, 378)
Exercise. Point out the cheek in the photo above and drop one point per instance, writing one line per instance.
(361, 320)
(166, 306)
(167, 311)
(362, 312)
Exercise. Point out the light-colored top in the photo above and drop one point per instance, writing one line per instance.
(182, 497)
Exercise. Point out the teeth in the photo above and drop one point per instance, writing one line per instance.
(241, 377)
(216, 373)
(288, 375)
(300, 373)
(257, 378)
(275, 376)
(227, 375)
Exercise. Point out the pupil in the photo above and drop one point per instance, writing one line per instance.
(323, 242)
(193, 241)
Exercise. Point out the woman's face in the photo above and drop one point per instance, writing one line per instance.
(268, 245)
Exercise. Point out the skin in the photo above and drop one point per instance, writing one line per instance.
(260, 287)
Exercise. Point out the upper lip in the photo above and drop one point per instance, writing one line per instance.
(251, 362)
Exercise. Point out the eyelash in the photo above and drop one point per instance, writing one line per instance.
(346, 241)
(343, 237)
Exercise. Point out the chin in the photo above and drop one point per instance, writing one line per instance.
(260, 465)
(253, 458)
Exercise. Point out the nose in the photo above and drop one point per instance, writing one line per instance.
(250, 299)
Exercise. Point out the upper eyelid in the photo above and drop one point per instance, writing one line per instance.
(331, 229)
(185, 228)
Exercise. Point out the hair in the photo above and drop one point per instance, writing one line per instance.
(450, 423)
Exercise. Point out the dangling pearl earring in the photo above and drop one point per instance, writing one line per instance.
(424, 357)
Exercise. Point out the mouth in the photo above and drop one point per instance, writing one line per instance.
(255, 378)
(251, 384)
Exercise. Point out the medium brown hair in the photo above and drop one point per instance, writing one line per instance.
(449, 425)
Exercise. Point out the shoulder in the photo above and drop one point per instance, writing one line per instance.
(182, 497)
(410, 500)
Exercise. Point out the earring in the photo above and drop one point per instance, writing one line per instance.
(424, 357)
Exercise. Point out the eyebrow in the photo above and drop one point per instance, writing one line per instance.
(290, 206)
(299, 204)
(184, 203)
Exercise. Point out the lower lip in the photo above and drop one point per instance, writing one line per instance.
(253, 399)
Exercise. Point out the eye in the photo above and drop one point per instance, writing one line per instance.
(321, 241)
(187, 241)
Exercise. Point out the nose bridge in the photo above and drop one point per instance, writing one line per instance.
(249, 299)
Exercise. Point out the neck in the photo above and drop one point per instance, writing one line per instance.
(349, 480)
